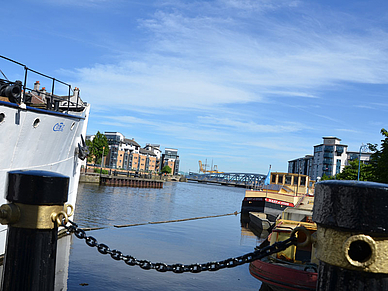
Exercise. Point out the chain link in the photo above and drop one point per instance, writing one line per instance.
(180, 268)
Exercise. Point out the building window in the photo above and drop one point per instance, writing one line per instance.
(288, 180)
(303, 181)
(338, 168)
(353, 157)
(329, 149)
(339, 150)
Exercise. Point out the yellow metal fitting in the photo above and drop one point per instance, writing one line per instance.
(9, 213)
(60, 217)
(66, 207)
(35, 216)
(353, 251)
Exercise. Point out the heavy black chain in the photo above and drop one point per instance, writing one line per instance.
(180, 268)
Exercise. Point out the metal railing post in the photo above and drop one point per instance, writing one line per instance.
(25, 84)
(36, 204)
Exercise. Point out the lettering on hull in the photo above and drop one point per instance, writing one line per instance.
(254, 199)
(58, 126)
(274, 201)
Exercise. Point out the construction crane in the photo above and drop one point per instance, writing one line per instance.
(202, 168)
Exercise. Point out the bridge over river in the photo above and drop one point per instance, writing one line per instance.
(245, 180)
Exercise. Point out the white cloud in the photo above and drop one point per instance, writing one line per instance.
(250, 126)
(291, 94)
(202, 60)
(177, 129)
(347, 130)
(231, 76)
(153, 85)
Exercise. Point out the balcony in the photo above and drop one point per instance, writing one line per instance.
(328, 155)
(328, 161)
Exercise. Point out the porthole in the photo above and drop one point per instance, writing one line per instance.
(36, 122)
(2, 117)
(72, 126)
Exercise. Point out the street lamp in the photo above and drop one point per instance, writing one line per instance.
(363, 148)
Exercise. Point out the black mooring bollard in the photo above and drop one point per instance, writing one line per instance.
(36, 200)
(352, 235)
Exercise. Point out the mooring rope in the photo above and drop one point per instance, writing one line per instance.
(177, 220)
(159, 222)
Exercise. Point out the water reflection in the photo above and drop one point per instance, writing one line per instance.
(106, 206)
(195, 241)
(62, 263)
(248, 236)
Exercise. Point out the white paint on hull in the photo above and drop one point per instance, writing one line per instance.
(51, 146)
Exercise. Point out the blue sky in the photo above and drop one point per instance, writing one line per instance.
(244, 84)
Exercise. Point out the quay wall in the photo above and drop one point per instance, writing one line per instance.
(151, 181)
(130, 182)
(89, 178)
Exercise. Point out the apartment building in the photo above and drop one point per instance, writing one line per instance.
(329, 158)
(301, 165)
(155, 148)
(127, 154)
(364, 157)
(171, 159)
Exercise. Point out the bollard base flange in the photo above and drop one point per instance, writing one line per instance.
(336, 278)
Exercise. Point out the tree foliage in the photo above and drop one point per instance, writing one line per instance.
(379, 159)
(377, 168)
(90, 158)
(166, 169)
(350, 172)
(96, 147)
(326, 177)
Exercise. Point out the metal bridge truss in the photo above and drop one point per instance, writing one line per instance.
(232, 179)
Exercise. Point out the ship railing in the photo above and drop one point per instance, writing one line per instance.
(69, 102)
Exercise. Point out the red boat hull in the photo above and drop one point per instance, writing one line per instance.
(282, 276)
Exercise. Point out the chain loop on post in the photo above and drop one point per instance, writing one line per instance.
(66, 207)
(60, 218)
(180, 268)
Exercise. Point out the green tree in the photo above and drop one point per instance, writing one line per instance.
(379, 159)
(166, 169)
(326, 177)
(350, 172)
(97, 147)
(90, 157)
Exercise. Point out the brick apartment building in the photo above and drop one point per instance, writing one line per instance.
(127, 154)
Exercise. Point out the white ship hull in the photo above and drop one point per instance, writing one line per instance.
(36, 139)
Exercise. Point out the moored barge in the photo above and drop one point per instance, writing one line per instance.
(283, 190)
(296, 267)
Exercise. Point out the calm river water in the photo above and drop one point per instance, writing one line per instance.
(187, 242)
